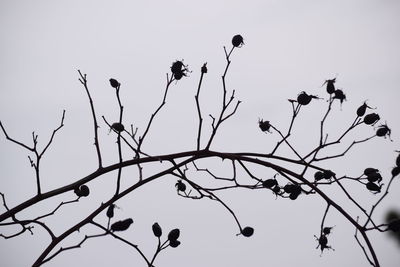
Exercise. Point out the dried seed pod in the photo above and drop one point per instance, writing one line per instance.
(177, 67)
(383, 131)
(373, 187)
(288, 188)
(394, 225)
(179, 70)
(327, 230)
(374, 177)
(157, 231)
(180, 186)
(247, 231)
(82, 191)
(303, 98)
(318, 175)
(173, 235)
(398, 161)
(362, 109)
(174, 243)
(118, 127)
(323, 242)
(121, 225)
(269, 183)
(339, 95)
(395, 171)
(276, 189)
(369, 171)
(328, 174)
(237, 41)
(371, 118)
(264, 125)
(114, 83)
(293, 196)
(330, 86)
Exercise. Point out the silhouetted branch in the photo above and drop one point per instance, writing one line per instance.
(83, 81)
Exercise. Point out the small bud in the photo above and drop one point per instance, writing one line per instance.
(204, 68)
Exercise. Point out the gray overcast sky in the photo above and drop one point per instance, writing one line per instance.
(290, 46)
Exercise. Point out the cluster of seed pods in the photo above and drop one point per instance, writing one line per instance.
(289, 190)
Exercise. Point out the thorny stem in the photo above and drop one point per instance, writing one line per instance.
(141, 139)
(121, 111)
(198, 108)
(83, 81)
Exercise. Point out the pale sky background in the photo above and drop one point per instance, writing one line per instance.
(290, 46)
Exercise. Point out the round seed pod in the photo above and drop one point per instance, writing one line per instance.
(303, 98)
(173, 234)
(371, 119)
(247, 231)
(237, 41)
(84, 190)
(369, 171)
(374, 177)
(395, 171)
(327, 230)
(180, 186)
(118, 127)
(373, 187)
(339, 95)
(318, 175)
(177, 67)
(394, 225)
(264, 125)
(174, 243)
